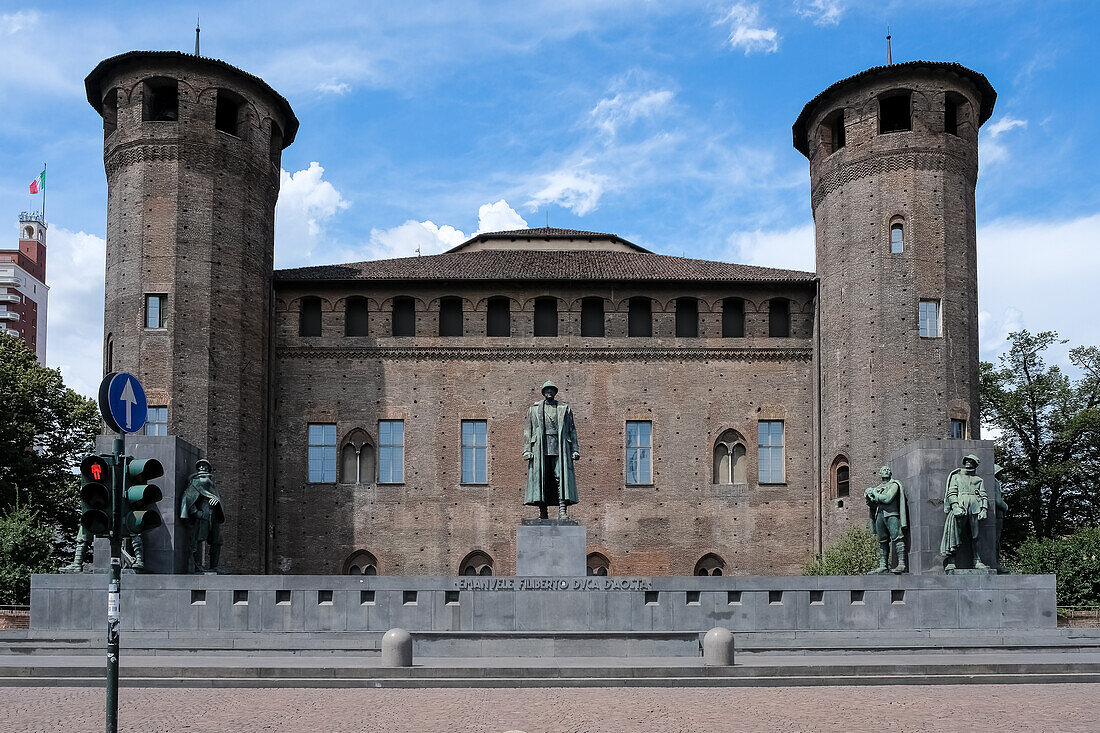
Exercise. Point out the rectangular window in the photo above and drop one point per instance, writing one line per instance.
(474, 446)
(770, 452)
(687, 317)
(156, 311)
(640, 317)
(929, 316)
(156, 421)
(391, 451)
(639, 452)
(450, 316)
(498, 317)
(779, 318)
(958, 429)
(592, 317)
(322, 454)
(546, 317)
(733, 318)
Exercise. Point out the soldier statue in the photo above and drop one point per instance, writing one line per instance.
(965, 503)
(83, 544)
(1002, 512)
(889, 520)
(201, 512)
(550, 447)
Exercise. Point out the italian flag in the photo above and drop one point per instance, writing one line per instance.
(38, 184)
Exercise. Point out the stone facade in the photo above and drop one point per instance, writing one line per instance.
(248, 359)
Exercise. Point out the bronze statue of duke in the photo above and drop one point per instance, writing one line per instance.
(550, 447)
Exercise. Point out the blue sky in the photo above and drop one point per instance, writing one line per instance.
(667, 123)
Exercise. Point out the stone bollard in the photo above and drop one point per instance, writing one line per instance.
(397, 648)
(718, 648)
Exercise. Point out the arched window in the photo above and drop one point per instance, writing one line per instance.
(109, 109)
(498, 317)
(592, 321)
(450, 316)
(356, 317)
(227, 112)
(733, 318)
(832, 132)
(361, 562)
(476, 563)
(357, 459)
(404, 316)
(897, 237)
(895, 112)
(275, 144)
(546, 317)
(110, 353)
(687, 317)
(640, 317)
(710, 564)
(956, 110)
(779, 318)
(160, 100)
(729, 459)
(598, 564)
(309, 316)
(842, 475)
(28, 232)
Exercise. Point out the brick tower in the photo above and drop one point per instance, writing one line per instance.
(893, 157)
(192, 147)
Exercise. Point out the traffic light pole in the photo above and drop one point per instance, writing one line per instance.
(113, 587)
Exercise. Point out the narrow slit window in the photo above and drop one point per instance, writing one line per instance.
(897, 238)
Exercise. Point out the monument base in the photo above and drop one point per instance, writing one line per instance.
(547, 547)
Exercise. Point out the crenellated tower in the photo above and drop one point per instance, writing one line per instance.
(893, 157)
(192, 148)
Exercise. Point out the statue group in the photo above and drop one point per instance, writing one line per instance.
(965, 502)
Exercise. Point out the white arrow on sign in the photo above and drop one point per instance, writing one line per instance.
(129, 398)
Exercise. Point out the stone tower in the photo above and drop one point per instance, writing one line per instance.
(893, 157)
(192, 147)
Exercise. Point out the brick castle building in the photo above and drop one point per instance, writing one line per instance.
(368, 417)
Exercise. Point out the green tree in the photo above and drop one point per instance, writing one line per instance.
(1048, 436)
(856, 553)
(1075, 559)
(26, 547)
(45, 429)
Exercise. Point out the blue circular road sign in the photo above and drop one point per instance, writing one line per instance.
(122, 402)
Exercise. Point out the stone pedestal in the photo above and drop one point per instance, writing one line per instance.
(166, 546)
(922, 466)
(551, 547)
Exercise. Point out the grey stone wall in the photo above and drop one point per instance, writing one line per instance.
(343, 603)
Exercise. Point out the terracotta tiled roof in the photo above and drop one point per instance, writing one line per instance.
(985, 89)
(535, 265)
(546, 233)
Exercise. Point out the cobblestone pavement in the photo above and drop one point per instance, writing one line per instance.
(936, 708)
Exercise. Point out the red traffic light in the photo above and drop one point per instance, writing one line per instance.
(94, 468)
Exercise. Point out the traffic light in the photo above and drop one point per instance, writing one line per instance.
(139, 508)
(95, 493)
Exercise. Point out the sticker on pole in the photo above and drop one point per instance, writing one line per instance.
(122, 402)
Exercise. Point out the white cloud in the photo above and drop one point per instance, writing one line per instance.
(611, 113)
(12, 23)
(413, 238)
(748, 31)
(821, 12)
(571, 186)
(790, 248)
(498, 217)
(992, 148)
(1040, 276)
(307, 203)
(428, 238)
(334, 87)
(74, 321)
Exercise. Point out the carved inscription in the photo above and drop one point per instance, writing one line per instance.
(587, 583)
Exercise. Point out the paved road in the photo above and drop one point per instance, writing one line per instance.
(936, 708)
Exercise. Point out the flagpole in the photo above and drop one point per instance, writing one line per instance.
(43, 194)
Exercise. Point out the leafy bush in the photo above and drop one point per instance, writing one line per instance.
(856, 553)
(1075, 559)
(26, 546)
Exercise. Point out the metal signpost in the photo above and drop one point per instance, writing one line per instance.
(123, 407)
